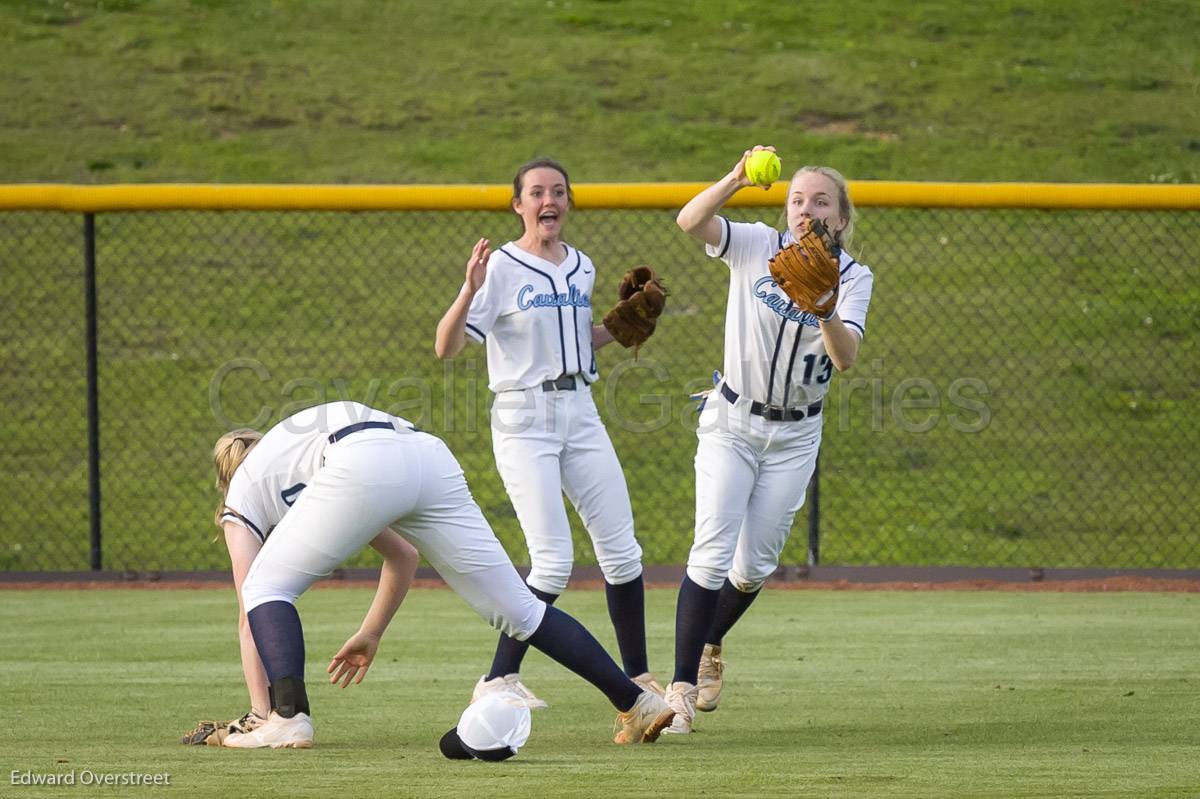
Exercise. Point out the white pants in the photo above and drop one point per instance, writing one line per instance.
(548, 443)
(412, 482)
(751, 475)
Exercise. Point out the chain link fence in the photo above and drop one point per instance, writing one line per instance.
(1026, 395)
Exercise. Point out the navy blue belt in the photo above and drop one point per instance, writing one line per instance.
(354, 428)
(562, 383)
(771, 412)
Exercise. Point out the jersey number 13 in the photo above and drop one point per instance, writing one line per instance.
(810, 364)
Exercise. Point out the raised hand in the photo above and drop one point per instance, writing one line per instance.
(477, 265)
(738, 173)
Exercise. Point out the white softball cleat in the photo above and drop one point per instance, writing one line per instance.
(646, 682)
(710, 682)
(509, 683)
(681, 696)
(277, 733)
(643, 722)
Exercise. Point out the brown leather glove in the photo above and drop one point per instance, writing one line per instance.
(213, 733)
(808, 271)
(642, 300)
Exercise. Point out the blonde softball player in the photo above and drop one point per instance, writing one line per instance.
(326, 482)
(529, 302)
(760, 427)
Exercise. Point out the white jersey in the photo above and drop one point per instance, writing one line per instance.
(535, 318)
(279, 468)
(774, 352)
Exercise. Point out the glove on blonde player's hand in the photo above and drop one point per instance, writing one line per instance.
(808, 271)
(642, 300)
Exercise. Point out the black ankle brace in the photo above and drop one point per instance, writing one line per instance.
(288, 697)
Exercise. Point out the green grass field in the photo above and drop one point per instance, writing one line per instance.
(1084, 328)
(830, 693)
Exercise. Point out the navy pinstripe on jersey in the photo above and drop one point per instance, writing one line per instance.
(787, 378)
(575, 318)
(775, 356)
(528, 344)
(774, 351)
(562, 341)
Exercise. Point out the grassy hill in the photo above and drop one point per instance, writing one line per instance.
(460, 91)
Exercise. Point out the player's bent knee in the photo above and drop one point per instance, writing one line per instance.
(519, 620)
(706, 577)
(623, 572)
(255, 593)
(551, 580)
(745, 584)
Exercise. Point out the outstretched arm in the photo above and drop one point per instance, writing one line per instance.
(452, 329)
(699, 217)
(243, 547)
(395, 578)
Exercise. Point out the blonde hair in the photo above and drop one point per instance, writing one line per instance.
(228, 453)
(845, 205)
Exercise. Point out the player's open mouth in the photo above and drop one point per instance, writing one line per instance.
(548, 218)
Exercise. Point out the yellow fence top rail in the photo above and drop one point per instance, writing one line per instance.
(866, 193)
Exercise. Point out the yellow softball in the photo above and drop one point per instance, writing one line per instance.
(762, 167)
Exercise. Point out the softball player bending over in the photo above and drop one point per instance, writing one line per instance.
(329, 480)
(760, 427)
(530, 303)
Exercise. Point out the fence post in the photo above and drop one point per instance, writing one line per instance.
(93, 390)
(814, 515)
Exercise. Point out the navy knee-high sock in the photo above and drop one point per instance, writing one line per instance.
(731, 604)
(279, 639)
(509, 651)
(627, 609)
(567, 641)
(693, 619)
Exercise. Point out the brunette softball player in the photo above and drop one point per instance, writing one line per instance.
(530, 303)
